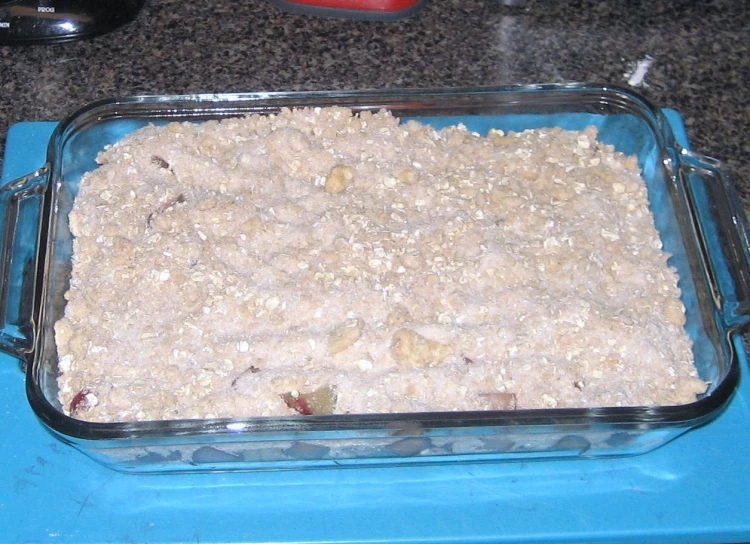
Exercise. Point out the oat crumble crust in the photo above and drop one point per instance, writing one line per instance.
(317, 261)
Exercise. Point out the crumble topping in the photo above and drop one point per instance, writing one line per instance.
(319, 261)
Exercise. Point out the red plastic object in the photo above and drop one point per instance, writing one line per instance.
(374, 10)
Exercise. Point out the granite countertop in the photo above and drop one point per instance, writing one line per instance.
(700, 51)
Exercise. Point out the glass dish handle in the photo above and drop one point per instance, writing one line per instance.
(722, 229)
(21, 209)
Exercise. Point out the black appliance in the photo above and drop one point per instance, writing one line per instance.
(52, 21)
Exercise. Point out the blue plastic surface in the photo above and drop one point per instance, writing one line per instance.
(694, 489)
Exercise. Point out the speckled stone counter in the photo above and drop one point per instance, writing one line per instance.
(700, 51)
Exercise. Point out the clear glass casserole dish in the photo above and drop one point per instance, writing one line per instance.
(694, 203)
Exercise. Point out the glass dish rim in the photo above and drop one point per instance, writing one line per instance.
(212, 105)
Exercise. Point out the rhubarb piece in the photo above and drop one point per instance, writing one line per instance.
(84, 400)
(322, 401)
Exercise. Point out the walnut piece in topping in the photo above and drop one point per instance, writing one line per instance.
(414, 350)
(344, 335)
(339, 178)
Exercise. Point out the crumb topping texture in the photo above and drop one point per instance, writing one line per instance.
(318, 261)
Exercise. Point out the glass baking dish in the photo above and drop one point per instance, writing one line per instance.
(694, 202)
